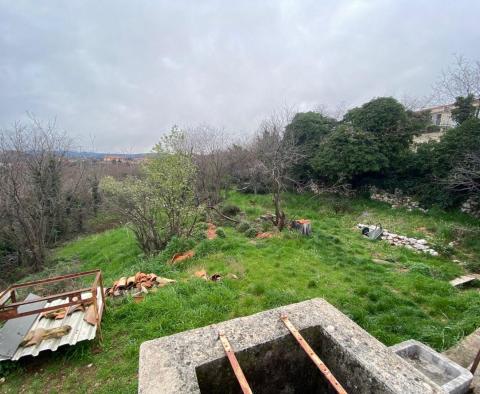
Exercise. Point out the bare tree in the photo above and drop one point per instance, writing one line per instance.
(465, 177)
(277, 153)
(460, 79)
(208, 148)
(414, 103)
(32, 159)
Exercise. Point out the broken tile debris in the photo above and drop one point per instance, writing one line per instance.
(203, 275)
(136, 284)
(178, 257)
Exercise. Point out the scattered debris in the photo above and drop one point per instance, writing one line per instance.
(464, 279)
(304, 226)
(203, 275)
(177, 257)
(400, 240)
(23, 320)
(265, 235)
(396, 200)
(211, 231)
(138, 283)
(59, 314)
(34, 337)
(216, 277)
(137, 298)
(373, 234)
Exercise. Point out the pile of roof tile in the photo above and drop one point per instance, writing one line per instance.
(140, 282)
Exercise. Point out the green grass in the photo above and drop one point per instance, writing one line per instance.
(409, 298)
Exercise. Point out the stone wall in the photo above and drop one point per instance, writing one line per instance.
(472, 207)
(396, 200)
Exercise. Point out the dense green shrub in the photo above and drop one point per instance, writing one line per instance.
(251, 232)
(307, 130)
(221, 232)
(243, 226)
(230, 210)
(421, 268)
(347, 154)
(387, 119)
(473, 266)
(178, 244)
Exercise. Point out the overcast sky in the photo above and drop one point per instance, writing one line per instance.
(121, 73)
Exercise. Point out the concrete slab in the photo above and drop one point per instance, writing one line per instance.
(194, 361)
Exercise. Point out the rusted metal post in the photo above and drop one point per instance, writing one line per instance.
(474, 366)
(13, 296)
(237, 370)
(313, 356)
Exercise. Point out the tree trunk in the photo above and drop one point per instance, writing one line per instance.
(304, 226)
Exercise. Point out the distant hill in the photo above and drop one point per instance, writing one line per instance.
(101, 156)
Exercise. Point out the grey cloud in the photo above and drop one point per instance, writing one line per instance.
(125, 71)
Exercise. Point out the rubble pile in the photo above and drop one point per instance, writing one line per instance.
(138, 283)
(472, 207)
(396, 200)
(420, 245)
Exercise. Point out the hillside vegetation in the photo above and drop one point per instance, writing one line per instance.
(408, 296)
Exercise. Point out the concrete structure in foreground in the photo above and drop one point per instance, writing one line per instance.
(453, 378)
(194, 361)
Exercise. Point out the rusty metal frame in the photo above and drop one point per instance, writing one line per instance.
(10, 310)
(475, 363)
(237, 370)
(313, 356)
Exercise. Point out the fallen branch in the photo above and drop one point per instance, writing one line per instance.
(223, 216)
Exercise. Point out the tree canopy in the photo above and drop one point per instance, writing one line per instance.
(307, 131)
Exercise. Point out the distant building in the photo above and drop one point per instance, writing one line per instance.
(441, 116)
(116, 159)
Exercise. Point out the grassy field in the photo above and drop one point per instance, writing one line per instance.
(408, 298)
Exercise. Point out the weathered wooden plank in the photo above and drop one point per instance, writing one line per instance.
(463, 280)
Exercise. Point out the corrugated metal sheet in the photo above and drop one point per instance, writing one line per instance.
(14, 330)
(80, 331)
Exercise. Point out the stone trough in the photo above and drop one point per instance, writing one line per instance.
(195, 362)
(453, 378)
